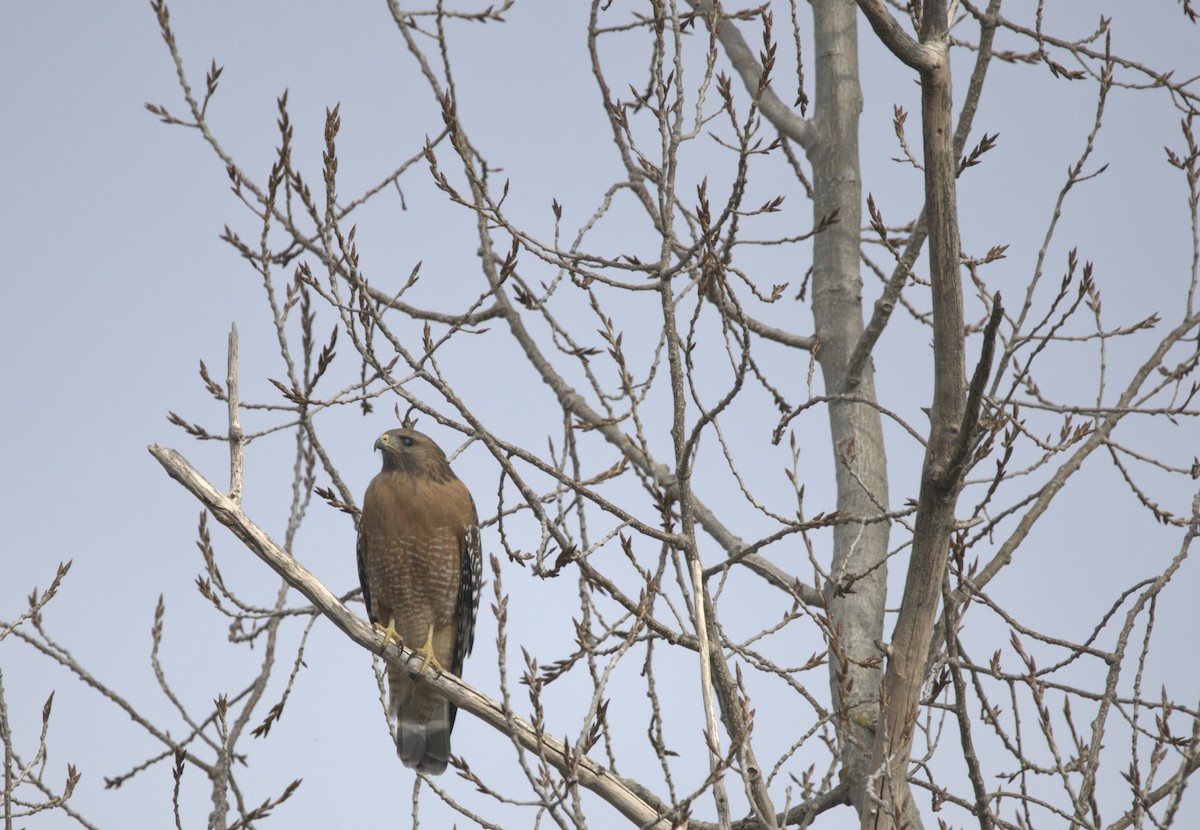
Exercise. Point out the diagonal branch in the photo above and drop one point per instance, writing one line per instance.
(782, 116)
(901, 44)
(969, 433)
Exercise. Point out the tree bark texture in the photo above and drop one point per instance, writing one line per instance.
(941, 476)
(857, 590)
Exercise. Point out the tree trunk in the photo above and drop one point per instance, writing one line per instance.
(952, 425)
(860, 551)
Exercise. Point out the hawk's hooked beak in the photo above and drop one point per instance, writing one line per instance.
(383, 442)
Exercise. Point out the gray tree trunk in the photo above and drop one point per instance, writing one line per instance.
(860, 551)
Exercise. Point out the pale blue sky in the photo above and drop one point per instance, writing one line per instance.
(115, 284)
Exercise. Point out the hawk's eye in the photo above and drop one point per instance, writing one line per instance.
(407, 441)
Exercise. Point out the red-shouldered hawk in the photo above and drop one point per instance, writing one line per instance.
(419, 562)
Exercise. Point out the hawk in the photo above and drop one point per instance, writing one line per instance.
(419, 563)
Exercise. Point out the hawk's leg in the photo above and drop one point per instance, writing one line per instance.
(389, 634)
(425, 652)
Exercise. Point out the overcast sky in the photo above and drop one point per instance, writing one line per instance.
(115, 285)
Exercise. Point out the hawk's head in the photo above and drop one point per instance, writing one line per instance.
(412, 452)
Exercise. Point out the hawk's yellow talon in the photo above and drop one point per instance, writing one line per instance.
(389, 634)
(426, 654)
